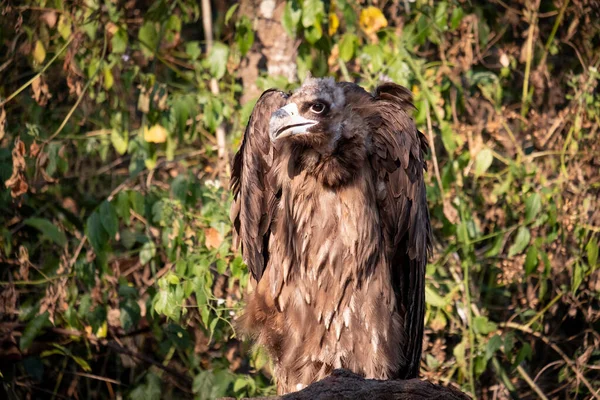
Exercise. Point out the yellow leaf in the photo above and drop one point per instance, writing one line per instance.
(334, 24)
(109, 80)
(156, 134)
(39, 52)
(102, 330)
(372, 20)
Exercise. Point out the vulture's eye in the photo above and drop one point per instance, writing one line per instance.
(317, 108)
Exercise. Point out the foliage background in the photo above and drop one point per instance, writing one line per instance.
(117, 276)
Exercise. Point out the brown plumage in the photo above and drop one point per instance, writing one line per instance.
(330, 208)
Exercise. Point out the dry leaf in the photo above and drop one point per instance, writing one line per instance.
(2, 122)
(41, 93)
(213, 238)
(156, 134)
(17, 182)
(34, 149)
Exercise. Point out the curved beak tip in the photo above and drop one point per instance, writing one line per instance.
(287, 121)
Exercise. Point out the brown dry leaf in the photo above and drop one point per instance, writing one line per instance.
(24, 263)
(213, 238)
(450, 212)
(2, 122)
(114, 317)
(17, 182)
(34, 149)
(41, 93)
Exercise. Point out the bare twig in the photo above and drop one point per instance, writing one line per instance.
(531, 383)
(557, 349)
(214, 85)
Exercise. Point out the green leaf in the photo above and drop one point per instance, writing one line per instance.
(147, 253)
(483, 326)
(193, 50)
(441, 16)
(312, 12)
(33, 328)
(122, 206)
(244, 35)
(119, 140)
(96, 233)
(456, 18)
(493, 345)
(434, 299)
(592, 252)
(239, 384)
(64, 27)
(217, 59)
(82, 363)
(119, 41)
(531, 260)
(137, 202)
(109, 219)
(447, 136)
(521, 241)
(150, 390)
(230, 13)
(459, 354)
(483, 161)
(172, 278)
(578, 274)
(148, 36)
(347, 46)
(49, 230)
(533, 205)
(291, 18)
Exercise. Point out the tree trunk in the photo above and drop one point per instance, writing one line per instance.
(273, 49)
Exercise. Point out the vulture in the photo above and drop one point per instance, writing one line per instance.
(330, 208)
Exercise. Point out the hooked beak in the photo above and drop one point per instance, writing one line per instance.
(287, 121)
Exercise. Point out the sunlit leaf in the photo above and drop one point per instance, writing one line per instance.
(347, 46)
(372, 19)
(533, 205)
(520, 242)
(334, 24)
(217, 59)
(483, 161)
(147, 253)
(156, 134)
(592, 252)
(39, 52)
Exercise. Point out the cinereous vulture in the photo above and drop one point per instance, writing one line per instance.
(330, 209)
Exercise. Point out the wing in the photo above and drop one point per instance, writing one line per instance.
(398, 161)
(255, 191)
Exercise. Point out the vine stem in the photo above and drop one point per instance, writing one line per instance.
(83, 92)
(29, 82)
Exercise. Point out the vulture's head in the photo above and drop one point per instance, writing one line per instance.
(321, 125)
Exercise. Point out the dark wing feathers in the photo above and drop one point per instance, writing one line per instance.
(253, 184)
(403, 209)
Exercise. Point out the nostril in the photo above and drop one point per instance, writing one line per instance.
(281, 113)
